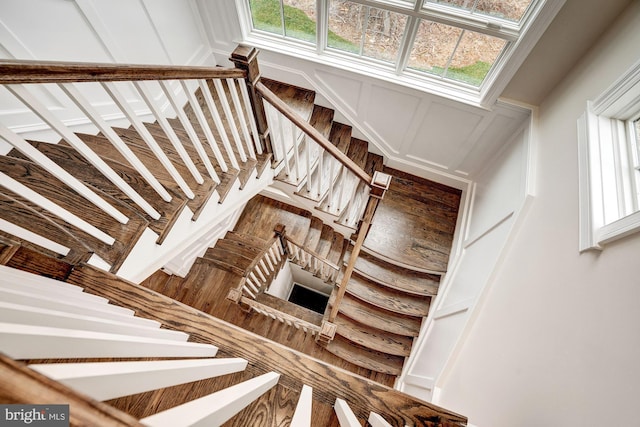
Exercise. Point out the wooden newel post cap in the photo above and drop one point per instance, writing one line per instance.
(244, 53)
(380, 184)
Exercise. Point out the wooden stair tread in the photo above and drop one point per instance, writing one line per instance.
(337, 248)
(395, 276)
(290, 308)
(423, 189)
(241, 248)
(365, 357)
(340, 136)
(70, 160)
(321, 119)
(39, 180)
(270, 213)
(373, 338)
(103, 147)
(325, 241)
(229, 261)
(20, 212)
(358, 151)
(373, 316)
(247, 239)
(299, 99)
(313, 234)
(387, 298)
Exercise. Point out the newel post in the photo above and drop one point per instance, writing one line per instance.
(246, 58)
(379, 186)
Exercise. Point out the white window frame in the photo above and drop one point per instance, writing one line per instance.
(609, 178)
(521, 38)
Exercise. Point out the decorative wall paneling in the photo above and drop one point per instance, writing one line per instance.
(500, 197)
(121, 31)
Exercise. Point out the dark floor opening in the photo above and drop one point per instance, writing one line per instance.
(308, 298)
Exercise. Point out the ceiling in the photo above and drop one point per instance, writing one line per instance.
(575, 29)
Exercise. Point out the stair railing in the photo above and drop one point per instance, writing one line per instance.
(213, 117)
(311, 261)
(109, 329)
(342, 181)
(42, 318)
(260, 273)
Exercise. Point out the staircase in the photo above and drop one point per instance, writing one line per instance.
(128, 199)
(182, 367)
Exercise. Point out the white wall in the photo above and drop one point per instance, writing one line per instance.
(122, 31)
(556, 342)
(498, 199)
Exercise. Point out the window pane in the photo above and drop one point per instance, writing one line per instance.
(382, 30)
(433, 46)
(266, 15)
(384, 34)
(474, 56)
(345, 26)
(300, 19)
(511, 10)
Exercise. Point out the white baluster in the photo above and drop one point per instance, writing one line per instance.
(283, 144)
(257, 270)
(119, 144)
(37, 157)
(142, 130)
(18, 188)
(272, 255)
(204, 125)
(23, 233)
(252, 119)
(268, 260)
(320, 170)
(302, 416)
(308, 152)
(38, 342)
(233, 90)
(52, 292)
(229, 116)
(29, 315)
(255, 279)
(168, 130)
(332, 182)
(217, 120)
(66, 304)
(216, 408)
(56, 124)
(343, 184)
(296, 148)
(346, 417)
(109, 380)
(254, 288)
(188, 127)
(8, 274)
(249, 292)
(377, 421)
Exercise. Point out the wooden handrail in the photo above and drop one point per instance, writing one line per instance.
(289, 113)
(17, 72)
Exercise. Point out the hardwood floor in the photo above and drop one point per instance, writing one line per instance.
(414, 225)
(415, 222)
